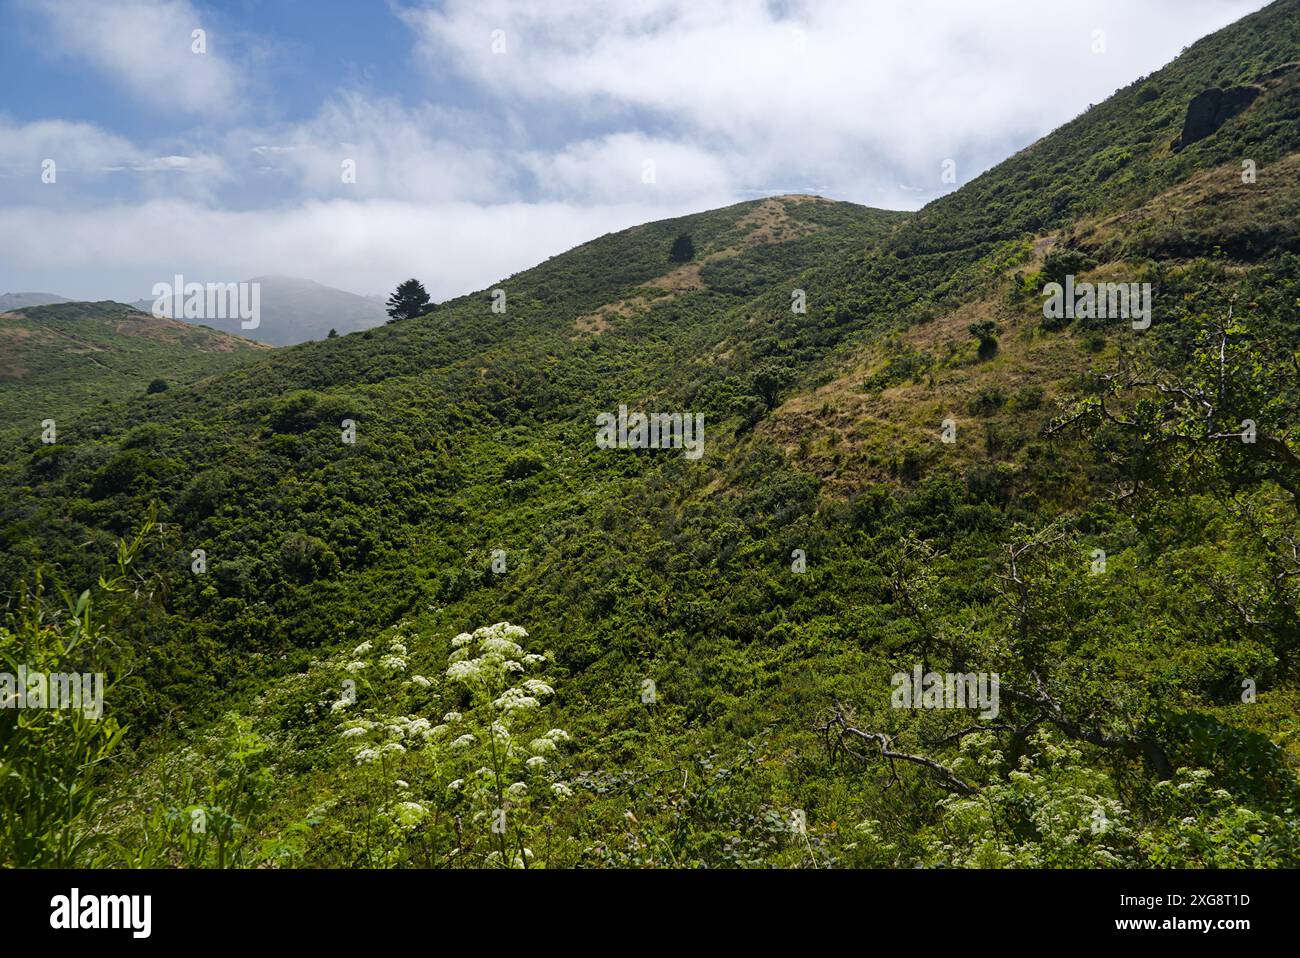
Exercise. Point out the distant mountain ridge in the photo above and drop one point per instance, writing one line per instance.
(12, 301)
(296, 310)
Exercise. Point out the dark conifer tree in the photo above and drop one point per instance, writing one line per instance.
(410, 299)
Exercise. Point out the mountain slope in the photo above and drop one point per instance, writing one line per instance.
(724, 636)
(1113, 187)
(61, 358)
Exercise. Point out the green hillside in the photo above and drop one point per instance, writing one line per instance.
(59, 358)
(709, 647)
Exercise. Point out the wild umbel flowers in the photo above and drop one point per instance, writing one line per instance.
(499, 655)
(499, 779)
(390, 735)
(493, 666)
(463, 671)
(512, 700)
(409, 814)
(419, 727)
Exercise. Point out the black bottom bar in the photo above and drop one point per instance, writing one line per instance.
(213, 908)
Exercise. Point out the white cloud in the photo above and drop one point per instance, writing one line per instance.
(85, 156)
(422, 153)
(147, 46)
(364, 246)
(728, 99)
(629, 167)
(75, 147)
(176, 164)
(859, 96)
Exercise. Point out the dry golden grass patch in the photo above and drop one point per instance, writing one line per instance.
(849, 435)
(768, 222)
(1219, 191)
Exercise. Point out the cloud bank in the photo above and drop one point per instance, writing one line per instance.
(523, 129)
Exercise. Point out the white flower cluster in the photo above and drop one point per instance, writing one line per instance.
(549, 742)
(499, 654)
(373, 738)
(409, 814)
(493, 678)
(395, 660)
(394, 734)
(502, 688)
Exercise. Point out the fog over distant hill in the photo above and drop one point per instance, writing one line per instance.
(295, 310)
(12, 301)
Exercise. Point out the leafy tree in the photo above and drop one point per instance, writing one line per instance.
(1057, 265)
(157, 386)
(523, 466)
(410, 299)
(683, 250)
(987, 333)
(1227, 418)
(306, 558)
(1060, 263)
(770, 381)
(50, 793)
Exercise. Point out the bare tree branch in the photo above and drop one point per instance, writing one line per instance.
(836, 728)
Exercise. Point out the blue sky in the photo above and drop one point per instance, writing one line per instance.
(313, 47)
(487, 135)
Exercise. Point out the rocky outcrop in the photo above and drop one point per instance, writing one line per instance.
(1212, 108)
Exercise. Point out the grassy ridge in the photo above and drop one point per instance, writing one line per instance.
(65, 357)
